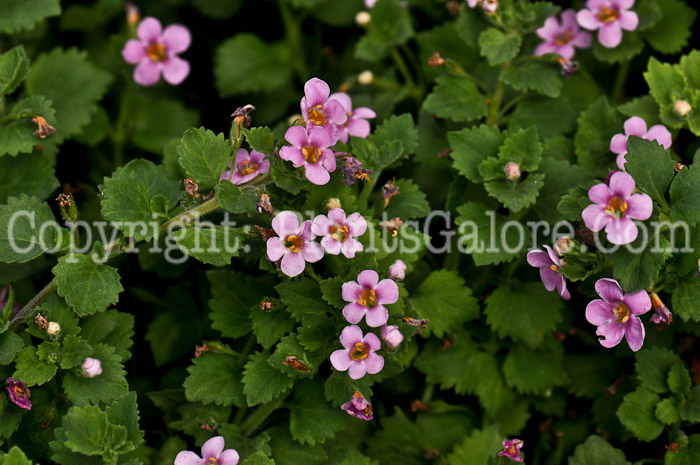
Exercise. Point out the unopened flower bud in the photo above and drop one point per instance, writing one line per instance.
(391, 335)
(512, 171)
(564, 245)
(436, 60)
(132, 14)
(295, 120)
(92, 367)
(333, 203)
(397, 271)
(40, 321)
(365, 77)
(53, 328)
(489, 6)
(363, 18)
(681, 108)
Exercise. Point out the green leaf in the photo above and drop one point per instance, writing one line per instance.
(523, 148)
(559, 177)
(74, 352)
(456, 98)
(217, 9)
(289, 346)
(270, 325)
(690, 410)
(410, 202)
(112, 327)
(21, 235)
(445, 300)
(637, 265)
(244, 64)
(469, 26)
(589, 373)
(685, 194)
(237, 200)
(551, 117)
(645, 107)
(124, 411)
(261, 381)
(651, 167)
(597, 451)
(156, 179)
(17, 129)
(287, 451)
(630, 46)
(352, 457)
(155, 122)
(533, 372)
(260, 139)
(88, 431)
(671, 33)
(478, 447)
(687, 454)
(332, 292)
(214, 378)
(390, 26)
(33, 371)
(571, 205)
(637, 413)
(685, 298)
(204, 156)
(497, 47)
(394, 139)
(175, 329)
(110, 385)
(24, 14)
(258, 458)
(312, 419)
(14, 66)
(15, 456)
(471, 146)
(301, 297)
(679, 379)
(10, 345)
(596, 126)
(667, 412)
(211, 244)
(540, 77)
(516, 196)
(87, 286)
(652, 367)
(666, 83)
(526, 314)
(72, 83)
(31, 174)
(233, 295)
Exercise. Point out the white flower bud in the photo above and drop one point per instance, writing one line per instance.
(563, 245)
(92, 367)
(365, 78)
(333, 203)
(53, 329)
(682, 108)
(397, 271)
(363, 18)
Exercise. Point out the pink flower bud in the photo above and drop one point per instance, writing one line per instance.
(682, 108)
(397, 271)
(391, 335)
(512, 171)
(92, 367)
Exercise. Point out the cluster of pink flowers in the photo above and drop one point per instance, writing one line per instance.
(636, 126)
(213, 453)
(328, 118)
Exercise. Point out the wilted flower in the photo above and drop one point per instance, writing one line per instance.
(563, 245)
(511, 450)
(53, 328)
(359, 407)
(44, 129)
(610, 17)
(562, 38)
(356, 124)
(681, 108)
(19, 393)
(91, 367)
(436, 60)
(550, 270)
(248, 166)
(191, 187)
(294, 245)
(662, 315)
(367, 296)
(310, 150)
(242, 117)
(397, 270)
(40, 321)
(568, 67)
(617, 314)
(391, 335)
(393, 225)
(213, 453)
(636, 126)
(339, 232)
(614, 207)
(318, 110)
(489, 6)
(389, 190)
(420, 324)
(358, 356)
(352, 170)
(156, 52)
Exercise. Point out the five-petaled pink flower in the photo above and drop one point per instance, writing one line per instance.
(213, 453)
(636, 126)
(339, 232)
(358, 356)
(294, 245)
(156, 52)
(614, 207)
(610, 17)
(321, 112)
(248, 166)
(310, 150)
(511, 450)
(562, 38)
(19, 393)
(617, 314)
(550, 270)
(367, 297)
(359, 407)
(356, 124)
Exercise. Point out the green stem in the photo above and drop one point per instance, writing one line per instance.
(261, 413)
(28, 309)
(403, 69)
(620, 79)
(496, 100)
(185, 217)
(119, 135)
(293, 37)
(312, 274)
(427, 393)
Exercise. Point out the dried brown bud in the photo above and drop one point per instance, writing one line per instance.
(45, 129)
(294, 362)
(191, 187)
(444, 153)
(432, 454)
(389, 190)
(445, 344)
(264, 205)
(242, 116)
(673, 447)
(419, 324)
(453, 7)
(264, 232)
(266, 306)
(436, 60)
(64, 200)
(563, 245)
(392, 226)
(200, 350)
(41, 322)
(132, 14)
(417, 405)
(206, 427)
(678, 167)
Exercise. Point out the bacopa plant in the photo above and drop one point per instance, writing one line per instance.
(349, 232)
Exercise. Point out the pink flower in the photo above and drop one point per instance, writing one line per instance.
(367, 296)
(550, 270)
(511, 449)
(473, 3)
(310, 150)
(19, 393)
(356, 124)
(247, 167)
(294, 245)
(614, 207)
(610, 17)
(339, 232)
(358, 407)
(358, 357)
(616, 315)
(391, 335)
(397, 271)
(319, 111)
(636, 126)
(562, 38)
(91, 367)
(213, 453)
(156, 51)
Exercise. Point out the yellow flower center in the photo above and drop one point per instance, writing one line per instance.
(311, 154)
(316, 116)
(247, 167)
(294, 243)
(339, 233)
(563, 39)
(156, 52)
(348, 120)
(511, 450)
(554, 267)
(212, 461)
(19, 392)
(368, 298)
(616, 207)
(621, 312)
(360, 352)
(608, 14)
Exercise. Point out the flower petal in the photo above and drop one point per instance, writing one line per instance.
(176, 38)
(610, 35)
(621, 231)
(621, 160)
(294, 155)
(376, 317)
(618, 144)
(316, 174)
(331, 245)
(357, 225)
(561, 288)
(588, 19)
(639, 303)
(568, 20)
(368, 279)
(292, 264)
(297, 136)
(634, 333)
(147, 72)
(312, 252)
(635, 126)
(275, 248)
(373, 342)
(344, 99)
(354, 312)
(350, 247)
(538, 258)
(175, 70)
(612, 334)
(316, 92)
(133, 51)
(350, 336)
(187, 457)
(374, 363)
(364, 112)
(387, 291)
(149, 30)
(337, 215)
(609, 289)
(660, 134)
(622, 184)
(549, 30)
(582, 40)
(340, 359)
(357, 370)
(212, 448)
(595, 218)
(335, 112)
(639, 207)
(321, 138)
(229, 457)
(549, 278)
(359, 128)
(351, 291)
(285, 223)
(628, 20)
(552, 255)
(599, 312)
(600, 194)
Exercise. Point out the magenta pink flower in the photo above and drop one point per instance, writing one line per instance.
(367, 297)
(19, 393)
(473, 3)
(248, 166)
(310, 150)
(511, 450)
(213, 453)
(156, 52)
(359, 407)
(562, 38)
(391, 335)
(319, 111)
(358, 356)
(616, 315)
(550, 270)
(356, 124)
(614, 207)
(339, 232)
(636, 126)
(294, 245)
(610, 17)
